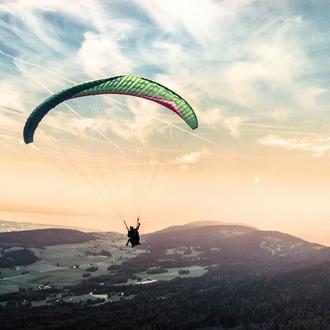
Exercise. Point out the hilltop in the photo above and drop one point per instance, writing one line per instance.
(43, 237)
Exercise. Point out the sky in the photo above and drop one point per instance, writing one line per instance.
(255, 72)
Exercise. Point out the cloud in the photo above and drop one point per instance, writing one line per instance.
(280, 114)
(318, 146)
(14, 101)
(233, 125)
(210, 117)
(195, 17)
(214, 117)
(192, 158)
(101, 55)
(127, 122)
(261, 70)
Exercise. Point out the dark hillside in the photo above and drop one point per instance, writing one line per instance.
(44, 237)
(235, 244)
(198, 224)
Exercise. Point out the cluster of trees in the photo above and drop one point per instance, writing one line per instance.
(17, 257)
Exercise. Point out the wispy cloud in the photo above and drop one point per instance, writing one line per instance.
(280, 114)
(262, 70)
(233, 125)
(318, 146)
(214, 117)
(189, 159)
(100, 54)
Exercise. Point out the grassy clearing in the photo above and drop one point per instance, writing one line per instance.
(184, 252)
(194, 271)
(57, 264)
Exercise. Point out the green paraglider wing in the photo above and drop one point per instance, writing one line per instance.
(126, 85)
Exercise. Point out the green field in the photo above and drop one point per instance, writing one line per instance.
(65, 265)
(184, 252)
(194, 271)
(57, 262)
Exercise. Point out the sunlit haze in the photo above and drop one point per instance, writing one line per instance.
(255, 72)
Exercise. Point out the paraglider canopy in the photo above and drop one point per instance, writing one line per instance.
(126, 85)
